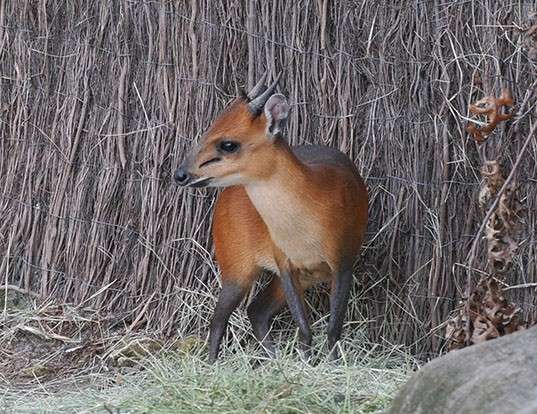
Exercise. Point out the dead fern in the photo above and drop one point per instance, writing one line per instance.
(491, 316)
(504, 224)
(491, 108)
(486, 314)
(529, 35)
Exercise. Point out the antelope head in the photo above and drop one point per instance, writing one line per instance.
(236, 148)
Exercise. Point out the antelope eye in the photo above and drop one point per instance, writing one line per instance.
(228, 146)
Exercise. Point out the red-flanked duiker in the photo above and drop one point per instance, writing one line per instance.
(297, 211)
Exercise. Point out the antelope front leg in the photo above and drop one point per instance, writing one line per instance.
(339, 297)
(293, 296)
(230, 297)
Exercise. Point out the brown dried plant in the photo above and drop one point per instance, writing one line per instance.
(491, 316)
(90, 231)
(491, 108)
(504, 224)
(486, 313)
(529, 35)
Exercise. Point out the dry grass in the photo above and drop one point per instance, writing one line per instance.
(185, 384)
(131, 373)
(100, 100)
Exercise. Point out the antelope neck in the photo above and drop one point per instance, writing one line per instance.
(287, 178)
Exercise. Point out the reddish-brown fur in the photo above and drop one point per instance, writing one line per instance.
(299, 212)
(242, 240)
(240, 237)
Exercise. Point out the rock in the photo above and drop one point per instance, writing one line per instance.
(128, 352)
(188, 345)
(495, 377)
(36, 371)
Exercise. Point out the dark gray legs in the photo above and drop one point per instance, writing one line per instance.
(270, 301)
(294, 297)
(230, 297)
(267, 304)
(339, 298)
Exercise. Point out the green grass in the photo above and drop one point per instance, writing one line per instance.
(182, 382)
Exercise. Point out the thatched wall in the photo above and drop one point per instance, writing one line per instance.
(101, 99)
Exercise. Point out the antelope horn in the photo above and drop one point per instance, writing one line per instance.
(258, 88)
(256, 105)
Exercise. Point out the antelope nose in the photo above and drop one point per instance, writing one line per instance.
(181, 176)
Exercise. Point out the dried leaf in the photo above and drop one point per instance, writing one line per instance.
(483, 330)
(491, 316)
(491, 108)
(529, 35)
(504, 224)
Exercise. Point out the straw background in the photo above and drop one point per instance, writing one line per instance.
(100, 100)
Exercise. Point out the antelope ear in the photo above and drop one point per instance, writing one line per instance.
(276, 112)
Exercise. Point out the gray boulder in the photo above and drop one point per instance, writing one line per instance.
(495, 377)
